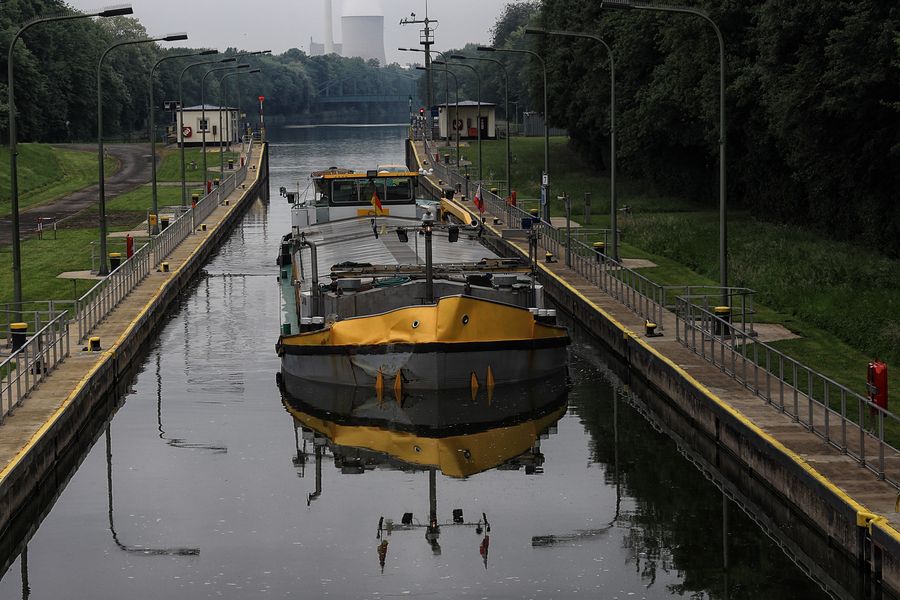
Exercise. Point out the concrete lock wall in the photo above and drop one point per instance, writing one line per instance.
(30, 473)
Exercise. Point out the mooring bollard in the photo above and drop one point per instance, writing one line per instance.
(94, 344)
(724, 313)
(231, 164)
(165, 267)
(216, 182)
(599, 249)
(19, 333)
(195, 198)
(163, 222)
(115, 259)
(202, 226)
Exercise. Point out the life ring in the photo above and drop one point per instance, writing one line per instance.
(186, 131)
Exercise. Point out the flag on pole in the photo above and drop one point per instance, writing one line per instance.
(376, 204)
(478, 200)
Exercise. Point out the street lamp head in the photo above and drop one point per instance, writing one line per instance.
(486, 49)
(207, 52)
(536, 30)
(403, 49)
(174, 37)
(253, 71)
(458, 56)
(421, 69)
(243, 66)
(438, 62)
(116, 11)
(228, 59)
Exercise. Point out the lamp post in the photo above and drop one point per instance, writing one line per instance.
(114, 11)
(478, 94)
(506, 101)
(545, 180)
(155, 201)
(203, 110)
(723, 225)
(225, 101)
(228, 59)
(203, 101)
(456, 111)
(613, 200)
(174, 37)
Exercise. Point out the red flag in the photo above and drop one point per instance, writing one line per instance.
(376, 203)
(478, 200)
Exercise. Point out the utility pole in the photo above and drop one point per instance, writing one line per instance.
(426, 38)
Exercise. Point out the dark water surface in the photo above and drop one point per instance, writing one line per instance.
(205, 485)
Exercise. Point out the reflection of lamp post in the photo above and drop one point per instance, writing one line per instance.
(450, 73)
(176, 442)
(102, 269)
(545, 183)
(225, 100)
(723, 226)
(613, 208)
(179, 551)
(155, 201)
(229, 59)
(478, 94)
(506, 102)
(13, 152)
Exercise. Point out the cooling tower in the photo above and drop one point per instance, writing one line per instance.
(329, 30)
(362, 26)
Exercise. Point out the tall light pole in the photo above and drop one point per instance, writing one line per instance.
(545, 180)
(228, 59)
(174, 37)
(203, 109)
(114, 11)
(155, 201)
(225, 100)
(613, 200)
(478, 94)
(723, 224)
(456, 111)
(506, 101)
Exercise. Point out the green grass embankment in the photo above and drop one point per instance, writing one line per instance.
(47, 173)
(843, 299)
(170, 166)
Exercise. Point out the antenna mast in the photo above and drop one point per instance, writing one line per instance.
(426, 38)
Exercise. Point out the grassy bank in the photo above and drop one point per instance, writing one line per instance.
(170, 166)
(843, 300)
(47, 173)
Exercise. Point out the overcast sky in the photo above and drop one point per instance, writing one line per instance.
(282, 24)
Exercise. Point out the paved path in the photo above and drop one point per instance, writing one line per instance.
(134, 171)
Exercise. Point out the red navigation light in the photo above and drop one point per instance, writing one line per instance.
(261, 98)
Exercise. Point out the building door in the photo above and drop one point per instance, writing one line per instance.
(483, 124)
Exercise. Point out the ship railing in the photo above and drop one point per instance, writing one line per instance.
(27, 367)
(845, 419)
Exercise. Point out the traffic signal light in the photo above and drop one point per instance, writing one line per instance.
(421, 111)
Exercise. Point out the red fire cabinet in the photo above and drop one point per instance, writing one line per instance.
(877, 383)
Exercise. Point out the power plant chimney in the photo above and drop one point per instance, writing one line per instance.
(329, 30)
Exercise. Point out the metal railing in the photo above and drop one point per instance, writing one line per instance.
(25, 368)
(35, 313)
(22, 371)
(843, 418)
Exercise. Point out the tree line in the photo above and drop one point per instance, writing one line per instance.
(56, 77)
(812, 99)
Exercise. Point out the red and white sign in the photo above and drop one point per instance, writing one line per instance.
(186, 131)
(457, 124)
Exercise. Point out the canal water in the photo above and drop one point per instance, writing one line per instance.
(206, 483)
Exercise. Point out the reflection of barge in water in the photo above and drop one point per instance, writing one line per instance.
(454, 432)
(387, 315)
